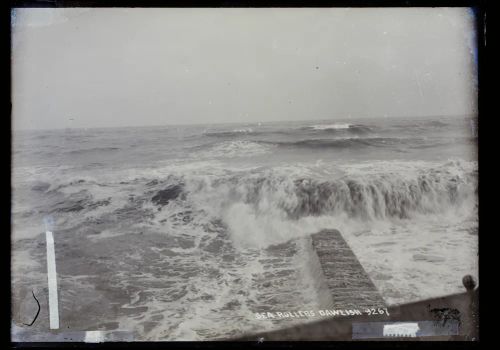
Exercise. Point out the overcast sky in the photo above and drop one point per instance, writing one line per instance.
(126, 67)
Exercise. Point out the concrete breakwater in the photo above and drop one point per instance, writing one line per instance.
(348, 284)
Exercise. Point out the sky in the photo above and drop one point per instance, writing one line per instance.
(113, 67)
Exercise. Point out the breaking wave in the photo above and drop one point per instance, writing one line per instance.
(361, 195)
(377, 196)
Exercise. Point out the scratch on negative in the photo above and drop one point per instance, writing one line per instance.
(38, 312)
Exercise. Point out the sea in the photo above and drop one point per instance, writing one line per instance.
(185, 232)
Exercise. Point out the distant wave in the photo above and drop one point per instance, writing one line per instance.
(436, 123)
(244, 148)
(250, 147)
(93, 150)
(335, 129)
(423, 125)
(238, 148)
(242, 132)
(340, 127)
(235, 132)
(350, 142)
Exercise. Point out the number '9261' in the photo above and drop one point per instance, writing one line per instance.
(377, 311)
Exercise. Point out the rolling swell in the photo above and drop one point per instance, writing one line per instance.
(335, 129)
(339, 143)
(249, 132)
(92, 150)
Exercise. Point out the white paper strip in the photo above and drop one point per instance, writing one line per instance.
(52, 279)
(94, 337)
(403, 329)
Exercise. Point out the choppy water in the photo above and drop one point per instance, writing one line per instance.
(218, 204)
